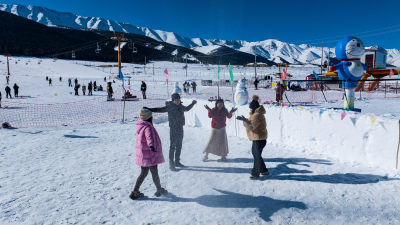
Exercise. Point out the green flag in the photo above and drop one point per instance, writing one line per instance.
(231, 74)
(218, 72)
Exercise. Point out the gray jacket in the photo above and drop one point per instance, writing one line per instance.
(176, 116)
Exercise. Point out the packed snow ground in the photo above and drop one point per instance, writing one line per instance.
(84, 176)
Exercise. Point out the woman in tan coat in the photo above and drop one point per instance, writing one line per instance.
(256, 128)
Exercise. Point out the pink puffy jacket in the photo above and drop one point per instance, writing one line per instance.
(147, 136)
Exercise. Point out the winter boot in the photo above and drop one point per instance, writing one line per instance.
(178, 164)
(136, 194)
(265, 173)
(172, 166)
(253, 177)
(160, 192)
(222, 159)
(205, 158)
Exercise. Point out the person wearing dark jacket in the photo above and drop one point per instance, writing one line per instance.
(176, 119)
(0, 99)
(256, 128)
(143, 88)
(110, 91)
(90, 88)
(279, 92)
(8, 91)
(15, 87)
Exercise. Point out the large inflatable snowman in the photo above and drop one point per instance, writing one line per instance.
(350, 70)
(241, 94)
(177, 89)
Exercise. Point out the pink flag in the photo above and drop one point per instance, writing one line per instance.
(391, 73)
(284, 74)
(166, 74)
(343, 115)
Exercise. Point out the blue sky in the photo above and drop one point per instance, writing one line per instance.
(304, 21)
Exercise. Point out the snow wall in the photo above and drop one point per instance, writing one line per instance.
(359, 138)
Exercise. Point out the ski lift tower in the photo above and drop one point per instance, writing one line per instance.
(120, 38)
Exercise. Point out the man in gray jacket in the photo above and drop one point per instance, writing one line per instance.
(176, 120)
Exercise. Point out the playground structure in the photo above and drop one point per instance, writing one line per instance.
(375, 58)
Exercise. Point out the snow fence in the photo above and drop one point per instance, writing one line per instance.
(342, 135)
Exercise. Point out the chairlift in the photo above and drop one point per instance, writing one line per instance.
(73, 55)
(98, 49)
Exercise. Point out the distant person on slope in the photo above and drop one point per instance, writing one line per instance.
(84, 89)
(143, 88)
(256, 128)
(8, 91)
(110, 91)
(50, 84)
(148, 153)
(76, 89)
(0, 99)
(218, 142)
(15, 87)
(69, 82)
(176, 120)
(90, 88)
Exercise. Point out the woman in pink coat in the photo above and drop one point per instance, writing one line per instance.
(148, 153)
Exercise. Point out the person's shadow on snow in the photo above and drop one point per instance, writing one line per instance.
(283, 172)
(266, 206)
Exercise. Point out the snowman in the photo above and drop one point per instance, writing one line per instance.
(350, 70)
(241, 94)
(177, 89)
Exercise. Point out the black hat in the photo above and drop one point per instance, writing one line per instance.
(254, 105)
(175, 96)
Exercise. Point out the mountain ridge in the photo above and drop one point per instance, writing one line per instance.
(271, 49)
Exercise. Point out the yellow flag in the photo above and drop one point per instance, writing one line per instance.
(273, 84)
(373, 119)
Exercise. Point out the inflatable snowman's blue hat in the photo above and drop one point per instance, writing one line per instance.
(349, 48)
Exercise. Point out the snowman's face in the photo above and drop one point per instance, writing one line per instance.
(354, 49)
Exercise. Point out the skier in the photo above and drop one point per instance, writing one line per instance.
(47, 78)
(176, 120)
(60, 79)
(15, 87)
(0, 99)
(143, 88)
(110, 91)
(84, 89)
(105, 79)
(94, 86)
(50, 82)
(76, 88)
(8, 79)
(69, 82)
(8, 91)
(148, 153)
(256, 128)
(76, 81)
(90, 87)
(218, 142)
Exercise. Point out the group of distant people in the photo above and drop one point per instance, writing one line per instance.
(187, 85)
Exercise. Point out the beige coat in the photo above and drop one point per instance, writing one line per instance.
(256, 126)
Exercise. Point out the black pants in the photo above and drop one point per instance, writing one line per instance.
(175, 137)
(143, 174)
(76, 92)
(144, 94)
(8, 94)
(256, 150)
(15, 93)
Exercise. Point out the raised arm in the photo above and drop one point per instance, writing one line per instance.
(189, 107)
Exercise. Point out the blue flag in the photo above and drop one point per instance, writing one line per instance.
(315, 74)
(122, 77)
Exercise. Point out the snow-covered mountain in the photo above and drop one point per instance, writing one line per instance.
(271, 49)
